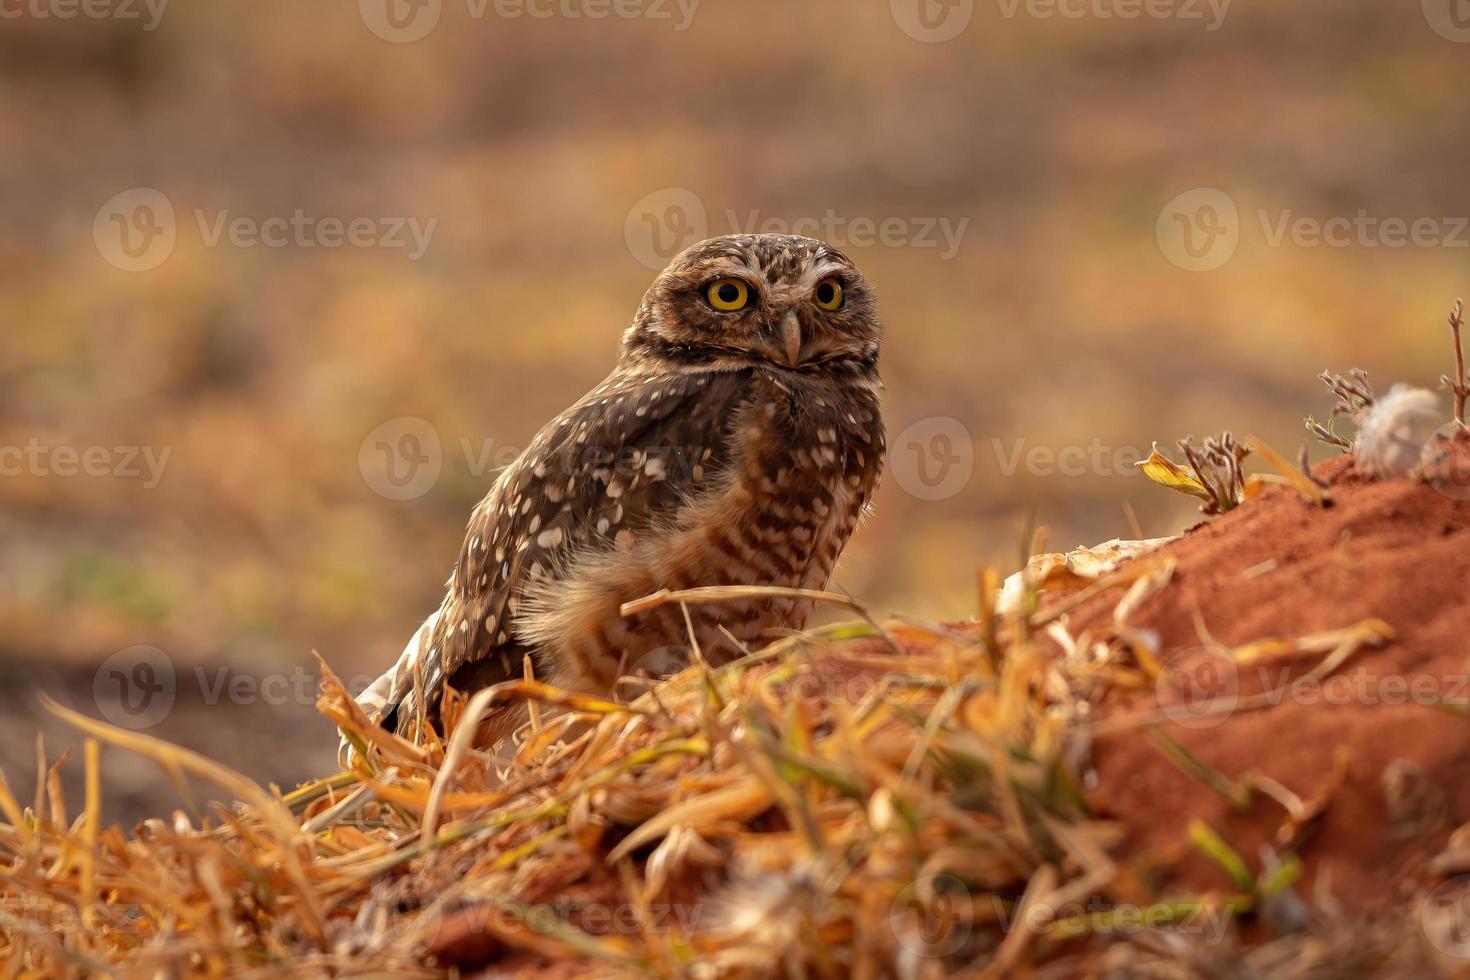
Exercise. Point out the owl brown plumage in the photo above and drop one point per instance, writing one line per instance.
(737, 442)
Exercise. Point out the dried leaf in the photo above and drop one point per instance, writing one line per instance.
(1167, 473)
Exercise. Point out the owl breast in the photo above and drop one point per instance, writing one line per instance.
(802, 455)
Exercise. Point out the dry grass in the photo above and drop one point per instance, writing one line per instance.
(865, 800)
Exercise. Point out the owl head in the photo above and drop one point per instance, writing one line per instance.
(794, 303)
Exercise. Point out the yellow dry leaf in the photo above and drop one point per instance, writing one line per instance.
(1167, 473)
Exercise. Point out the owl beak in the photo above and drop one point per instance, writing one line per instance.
(791, 338)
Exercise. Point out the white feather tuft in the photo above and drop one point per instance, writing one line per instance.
(1392, 435)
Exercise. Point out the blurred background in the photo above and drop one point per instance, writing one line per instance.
(281, 285)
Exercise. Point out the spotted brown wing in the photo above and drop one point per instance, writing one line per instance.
(624, 457)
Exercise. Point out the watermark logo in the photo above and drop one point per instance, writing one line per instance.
(1445, 917)
(135, 688)
(1450, 19)
(1211, 13)
(1208, 923)
(404, 457)
(400, 21)
(135, 230)
(406, 21)
(407, 233)
(498, 918)
(149, 12)
(118, 462)
(401, 459)
(932, 21)
(663, 224)
(1361, 230)
(1094, 459)
(1199, 230)
(666, 222)
(932, 917)
(678, 12)
(934, 458)
(128, 922)
(1199, 687)
(1446, 462)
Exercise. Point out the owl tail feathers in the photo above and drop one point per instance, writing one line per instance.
(393, 690)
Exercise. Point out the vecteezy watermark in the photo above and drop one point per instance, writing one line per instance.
(406, 21)
(1094, 459)
(148, 12)
(63, 917)
(402, 458)
(136, 688)
(1206, 922)
(136, 230)
(118, 462)
(1210, 12)
(1200, 230)
(937, 21)
(678, 13)
(932, 21)
(1362, 687)
(401, 21)
(932, 916)
(1446, 468)
(1201, 687)
(662, 224)
(1450, 19)
(1444, 915)
(301, 230)
(934, 458)
(1362, 230)
(931, 459)
(936, 916)
(497, 918)
(1198, 687)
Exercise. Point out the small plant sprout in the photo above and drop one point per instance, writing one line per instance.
(1459, 385)
(1354, 398)
(1214, 473)
(1325, 434)
(1217, 465)
(1395, 431)
(1353, 390)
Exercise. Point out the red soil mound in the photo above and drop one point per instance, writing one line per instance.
(1395, 550)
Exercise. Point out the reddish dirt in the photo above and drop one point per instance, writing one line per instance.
(1396, 550)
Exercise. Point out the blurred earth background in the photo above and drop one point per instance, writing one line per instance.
(232, 433)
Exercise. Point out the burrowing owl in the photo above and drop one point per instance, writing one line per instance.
(736, 442)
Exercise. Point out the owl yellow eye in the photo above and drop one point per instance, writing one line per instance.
(829, 294)
(728, 295)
